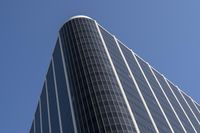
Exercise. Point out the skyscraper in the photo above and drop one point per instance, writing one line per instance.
(96, 84)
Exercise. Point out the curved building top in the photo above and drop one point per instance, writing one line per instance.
(80, 16)
(74, 17)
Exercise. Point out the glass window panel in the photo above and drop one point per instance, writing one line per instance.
(52, 101)
(44, 111)
(65, 111)
(37, 120)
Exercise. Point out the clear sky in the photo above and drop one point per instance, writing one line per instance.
(164, 33)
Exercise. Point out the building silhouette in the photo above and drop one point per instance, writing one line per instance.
(96, 84)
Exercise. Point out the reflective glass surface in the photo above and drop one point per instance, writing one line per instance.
(148, 96)
(142, 118)
(161, 98)
(55, 128)
(44, 111)
(185, 107)
(119, 66)
(174, 103)
(192, 106)
(37, 120)
(65, 112)
(176, 125)
(198, 106)
(97, 100)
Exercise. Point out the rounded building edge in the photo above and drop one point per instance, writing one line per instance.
(80, 16)
(75, 17)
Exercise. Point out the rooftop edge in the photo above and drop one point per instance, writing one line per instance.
(80, 16)
(74, 17)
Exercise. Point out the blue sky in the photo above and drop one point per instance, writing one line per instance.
(164, 33)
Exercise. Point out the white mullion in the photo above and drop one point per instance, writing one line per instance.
(195, 105)
(98, 88)
(47, 97)
(188, 105)
(143, 100)
(73, 28)
(180, 105)
(114, 70)
(41, 126)
(168, 100)
(131, 113)
(78, 84)
(67, 82)
(189, 97)
(152, 91)
(57, 100)
(192, 102)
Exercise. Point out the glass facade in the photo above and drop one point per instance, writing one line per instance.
(185, 107)
(99, 105)
(95, 84)
(161, 98)
(44, 110)
(37, 120)
(175, 104)
(119, 65)
(53, 109)
(151, 101)
(61, 85)
(168, 109)
(198, 106)
(192, 106)
(137, 105)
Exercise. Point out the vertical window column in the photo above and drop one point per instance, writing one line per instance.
(67, 84)
(166, 122)
(179, 121)
(190, 106)
(52, 103)
(180, 105)
(116, 75)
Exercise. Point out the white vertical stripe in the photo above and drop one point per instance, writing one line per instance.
(47, 96)
(195, 105)
(168, 100)
(57, 100)
(152, 91)
(68, 88)
(82, 42)
(131, 113)
(41, 126)
(115, 72)
(143, 100)
(188, 105)
(180, 105)
(191, 100)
